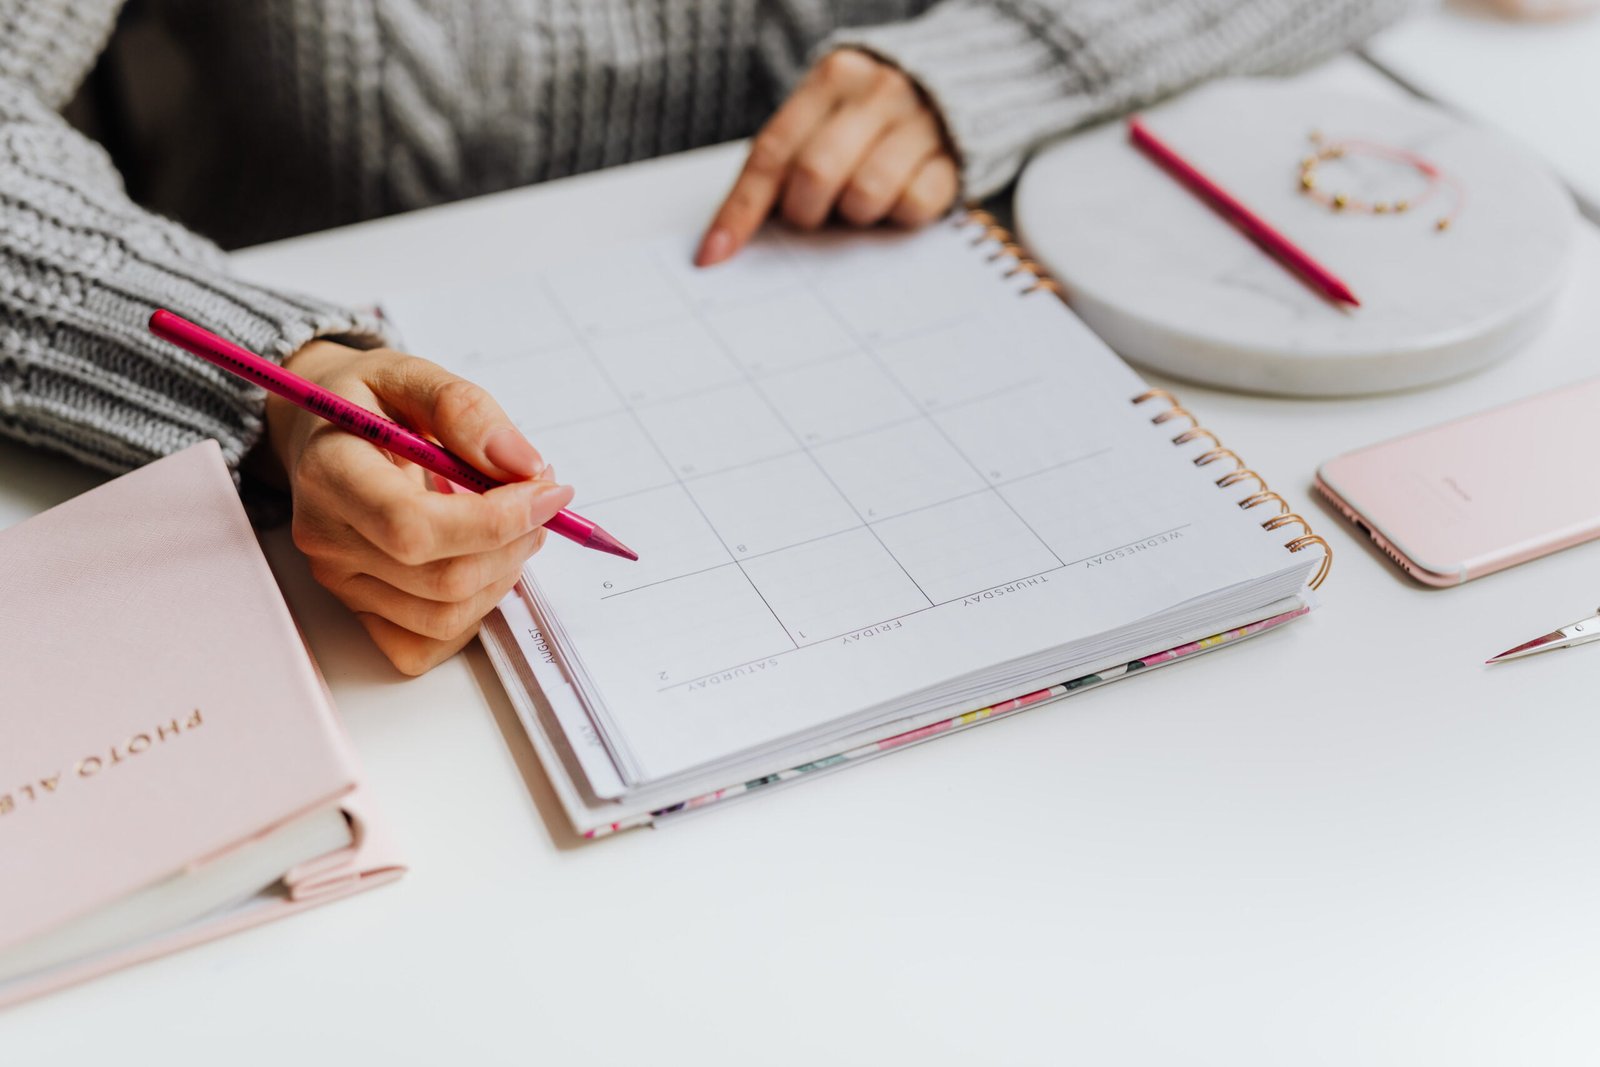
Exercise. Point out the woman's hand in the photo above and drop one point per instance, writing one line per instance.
(857, 138)
(419, 568)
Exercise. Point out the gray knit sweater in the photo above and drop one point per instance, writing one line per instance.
(303, 114)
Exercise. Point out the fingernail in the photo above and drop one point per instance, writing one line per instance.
(544, 499)
(510, 451)
(717, 247)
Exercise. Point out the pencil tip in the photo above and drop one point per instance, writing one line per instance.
(606, 543)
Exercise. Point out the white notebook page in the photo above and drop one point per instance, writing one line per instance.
(854, 467)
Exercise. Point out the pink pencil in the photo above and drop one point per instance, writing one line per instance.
(356, 419)
(1252, 225)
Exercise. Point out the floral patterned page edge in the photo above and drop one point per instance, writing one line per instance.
(970, 718)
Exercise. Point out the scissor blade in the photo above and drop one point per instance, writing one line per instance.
(1552, 640)
(1580, 632)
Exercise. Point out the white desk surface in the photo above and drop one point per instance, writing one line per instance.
(1345, 842)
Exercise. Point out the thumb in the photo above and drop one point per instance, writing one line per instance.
(459, 415)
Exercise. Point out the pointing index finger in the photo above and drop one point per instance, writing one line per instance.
(756, 191)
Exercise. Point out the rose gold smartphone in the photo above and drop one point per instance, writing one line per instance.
(1482, 493)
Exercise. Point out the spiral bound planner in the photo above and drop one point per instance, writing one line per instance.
(883, 487)
(1005, 245)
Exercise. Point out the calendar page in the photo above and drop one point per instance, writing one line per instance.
(860, 471)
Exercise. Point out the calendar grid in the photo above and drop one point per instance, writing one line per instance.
(760, 400)
(645, 431)
(913, 467)
(802, 448)
(799, 441)
(931, 606)
(883, 366)
(823, 537)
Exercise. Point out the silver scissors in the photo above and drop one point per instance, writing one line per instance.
(1580, 632)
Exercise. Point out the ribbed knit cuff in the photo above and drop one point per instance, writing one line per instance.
(274, 324)
(999, 86)
(81, 270)
(92, 381)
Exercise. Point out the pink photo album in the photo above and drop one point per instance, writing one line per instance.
(170, 766)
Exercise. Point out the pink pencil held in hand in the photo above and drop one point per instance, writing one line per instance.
(353, 418)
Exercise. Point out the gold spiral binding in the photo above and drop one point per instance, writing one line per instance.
(1196, 434)
(1006, 246)
(1175, 412)
(1241, 473)
(1255, 500)
(1283, 520)
(1205, 459)
(1236, 476)
(1327, 555)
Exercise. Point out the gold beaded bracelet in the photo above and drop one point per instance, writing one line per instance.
(1324, 150)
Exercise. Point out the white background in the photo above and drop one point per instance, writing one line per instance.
(1345, 842)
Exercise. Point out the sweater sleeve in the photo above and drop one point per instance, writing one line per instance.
(1008, 75)
(82, 268)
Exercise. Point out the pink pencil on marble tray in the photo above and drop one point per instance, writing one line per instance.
(1253, 226)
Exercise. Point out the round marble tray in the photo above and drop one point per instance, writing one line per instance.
(1171, 285)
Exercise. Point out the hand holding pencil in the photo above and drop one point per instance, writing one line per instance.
(419, 569)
